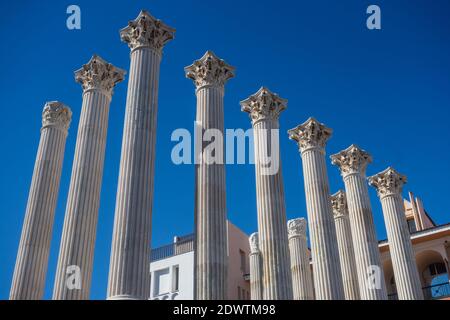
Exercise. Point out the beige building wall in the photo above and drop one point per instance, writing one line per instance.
(238, 264)
(431, 245)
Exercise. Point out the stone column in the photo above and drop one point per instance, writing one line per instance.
(389, 184)
(210, 75)
(129, 276)
(32, 258)
(300, 268)
(345, 244)
(352, 163)
(256, 286)
(76, 253)
(311, 137)
(264, 108)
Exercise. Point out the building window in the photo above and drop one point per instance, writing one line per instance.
(411, 225)
(243, 259)
(176, 278)
(162, 282)
(437, 268)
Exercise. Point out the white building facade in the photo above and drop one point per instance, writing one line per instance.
(172, 268)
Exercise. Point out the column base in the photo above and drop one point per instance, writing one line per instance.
(123, 297)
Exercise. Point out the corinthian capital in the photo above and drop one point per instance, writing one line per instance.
(263, 105)
(311, 134)
(352, 160)
(339, 204)
(56, 114)
(146, 31)
(254, 242)
(98, 74)
(296, 228)
(209, 70)
(388, 182)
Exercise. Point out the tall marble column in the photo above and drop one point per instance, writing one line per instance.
(76, 253)
(345, 244)
(256, 286)
(352, 163)
(129, 276)
(300, 268)
(264, 108)
(311, 138)
(210, 74)
(32, 258)
(389, 184)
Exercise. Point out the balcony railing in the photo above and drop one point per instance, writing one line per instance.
(434, 292)
(437, 291)
(181, 245)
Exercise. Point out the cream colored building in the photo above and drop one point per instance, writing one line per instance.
(431, 245)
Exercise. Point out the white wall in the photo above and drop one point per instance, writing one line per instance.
(163, 278)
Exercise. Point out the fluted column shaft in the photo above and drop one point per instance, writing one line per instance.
(210, 74)
(345, 244)
(352, 163)
(256, 285)
(324, 247)
(80, 223)
(407, 279)
(129, 276)
(32, 258)
(365, 243)
(347, 257)
(264, 108)
(277, 278)
(311, 138)
(301, 270)
(211, 220)
(389, 185)
(256, 288)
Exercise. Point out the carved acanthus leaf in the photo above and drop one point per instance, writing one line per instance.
(56, 114)
(146, 31)
(339, 204)
(297, 227)
(263, 105)
(99, 74)
(254, 242)
(388, 182)
(209, 70)
(311, 134)
(352, 160)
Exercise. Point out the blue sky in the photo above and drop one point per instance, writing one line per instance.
(387, 91)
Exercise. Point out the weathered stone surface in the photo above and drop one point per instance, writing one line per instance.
(345, 244)
(389, 184)
(301, 270)
(32, 258)
(264, 108)
(129, 276)
(210, 74)
(256, 286)
(311, 138)
(352, 163)
(97, 79)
